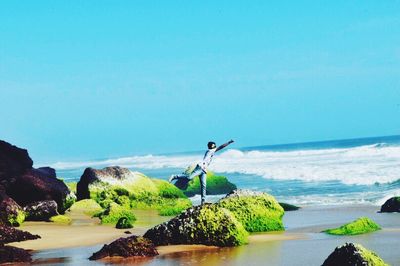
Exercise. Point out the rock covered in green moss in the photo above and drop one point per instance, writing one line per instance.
(216, 185)
(168, 190)
(61, 219)
(124, 223)
(208, 224)
(360, 226)
(288, 207)
(133, 246)
(391, 205)
(257, 211)
(87, 206)
(114, 212)
(172, 208)
(10, 212)
(354, 255)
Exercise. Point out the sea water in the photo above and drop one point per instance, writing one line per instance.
(351, 171)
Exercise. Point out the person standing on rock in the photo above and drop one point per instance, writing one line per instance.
(201, 168)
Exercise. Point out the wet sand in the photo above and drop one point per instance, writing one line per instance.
(301, 244)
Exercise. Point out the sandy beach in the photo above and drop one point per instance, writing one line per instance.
(301, 244)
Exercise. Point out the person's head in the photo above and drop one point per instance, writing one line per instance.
(211, 145)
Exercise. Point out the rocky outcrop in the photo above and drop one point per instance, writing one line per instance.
(207, 224)
(38, 185)
(288, 207)
(257, 211)
(13, 163)
(41, 210)
(353, 255)
(25, 184)
(133, 246)
(9, 234)
(12, 254)
(391, 205)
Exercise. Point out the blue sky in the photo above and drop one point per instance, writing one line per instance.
(96, 79)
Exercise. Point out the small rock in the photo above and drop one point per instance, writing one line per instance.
(391, 205)
(124, 223)
(10, 234)
(41, 210)
(12, 254)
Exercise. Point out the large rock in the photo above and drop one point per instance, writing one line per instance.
(41, 184)
(353, 255)
(391, 205)
(13, 163)
(41, 210)
(10, 234)
(115, 176)
(257, 211)
(207, 224)
(12, 254)
(127, 247)
(10, 212)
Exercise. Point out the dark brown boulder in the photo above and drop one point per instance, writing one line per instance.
(41, 210)
(38, 185)
(13, 162)
(127, 247)
(9, 234)
(391, 205)
(12, 254)
(91, 175)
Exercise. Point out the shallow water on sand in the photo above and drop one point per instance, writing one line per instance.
(301, 244)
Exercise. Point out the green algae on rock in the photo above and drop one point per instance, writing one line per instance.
(86, 206)
(124, 223)
(216, 185)
(353, 254)
(257, 211)
(360, 226)
(60, 219)
(114, 212)
(10, 212)
(208, 224)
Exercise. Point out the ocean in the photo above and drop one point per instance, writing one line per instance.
(352, 171)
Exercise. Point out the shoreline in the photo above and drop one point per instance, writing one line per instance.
(303, 232)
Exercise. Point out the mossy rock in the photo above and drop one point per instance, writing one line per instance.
(174, 207)
(18, 219)
(257, 211)
(87, 206)
(288, 207)
(70, 199)
(60, 219)
(168, 190)
(10, 212)
(71, 186)
(124, 223)
(114, 212)
(360, 226)
(353, 254)
(216, 185)
(208, 224)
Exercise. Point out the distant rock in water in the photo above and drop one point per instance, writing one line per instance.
(12, 254)
(391, 205)
(9, 234)
(207, 224)
(133, 246)
(288, 207)
(353, 255)
(257, 211)
(41, 210)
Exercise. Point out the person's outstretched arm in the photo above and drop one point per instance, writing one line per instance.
(224, 145)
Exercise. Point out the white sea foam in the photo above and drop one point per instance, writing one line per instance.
(360, 165)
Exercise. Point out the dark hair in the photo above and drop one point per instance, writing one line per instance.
(211, 145)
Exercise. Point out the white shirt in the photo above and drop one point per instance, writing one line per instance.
(207, 158)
